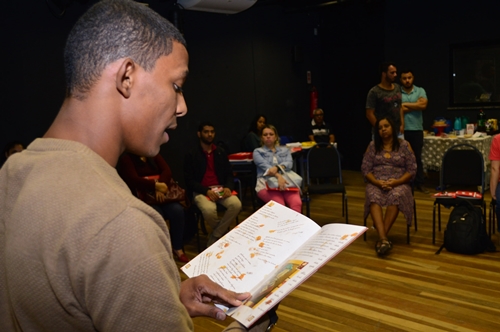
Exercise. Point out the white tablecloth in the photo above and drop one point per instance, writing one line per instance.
(435, 147)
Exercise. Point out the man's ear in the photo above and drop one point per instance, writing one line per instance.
(124, 77)
(199, 134)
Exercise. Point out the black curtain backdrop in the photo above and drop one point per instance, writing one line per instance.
(256, 62)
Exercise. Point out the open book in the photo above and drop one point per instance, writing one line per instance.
(270, 254)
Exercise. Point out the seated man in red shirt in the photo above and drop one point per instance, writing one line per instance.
(209, 178)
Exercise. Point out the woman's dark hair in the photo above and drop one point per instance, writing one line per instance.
(253, 124)
(378, 140)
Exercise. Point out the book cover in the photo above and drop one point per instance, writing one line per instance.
(445, 195)
(459, 194)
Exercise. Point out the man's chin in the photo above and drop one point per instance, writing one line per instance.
(143, 153)
(207, 142)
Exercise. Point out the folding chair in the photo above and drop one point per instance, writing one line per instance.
(462, 167)
(323, 162)
(407, 226)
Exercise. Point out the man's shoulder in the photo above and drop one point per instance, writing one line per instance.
(193, 151)
(420, 91)
(379, 90)
(72, 179)
(374, 89)
(321, 126)
(62, 159)
(221, 152)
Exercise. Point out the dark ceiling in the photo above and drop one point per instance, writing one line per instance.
(299, 4)
(309, 5)
(58, 7)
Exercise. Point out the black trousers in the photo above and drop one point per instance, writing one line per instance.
(416, 140)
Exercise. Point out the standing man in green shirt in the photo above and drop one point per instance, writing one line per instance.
(384, 99)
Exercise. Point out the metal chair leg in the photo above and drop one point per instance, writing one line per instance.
(346, 211)
(434, 224)
(439, 217)
(364, 223)
(308, 208)
(407, 234)
(493, 215)
(343, 199)
(415, 214)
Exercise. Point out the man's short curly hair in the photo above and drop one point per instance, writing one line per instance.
(111, 30)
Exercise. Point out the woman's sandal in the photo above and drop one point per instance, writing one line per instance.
(383, 246)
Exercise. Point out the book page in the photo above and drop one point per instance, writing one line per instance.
(303, 263)
(254, 249)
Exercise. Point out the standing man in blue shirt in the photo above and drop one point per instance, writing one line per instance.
(414, 102)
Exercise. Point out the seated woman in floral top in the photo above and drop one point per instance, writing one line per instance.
(388, 167)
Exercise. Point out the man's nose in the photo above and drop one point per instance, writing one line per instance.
(181, 107)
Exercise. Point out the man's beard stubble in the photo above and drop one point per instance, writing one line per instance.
(206, 141)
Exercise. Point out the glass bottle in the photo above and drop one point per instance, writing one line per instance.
(481, 121)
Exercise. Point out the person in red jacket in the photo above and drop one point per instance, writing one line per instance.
(133, 169)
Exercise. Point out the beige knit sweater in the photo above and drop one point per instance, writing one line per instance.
(77, 251)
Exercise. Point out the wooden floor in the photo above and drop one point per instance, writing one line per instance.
(411, 289)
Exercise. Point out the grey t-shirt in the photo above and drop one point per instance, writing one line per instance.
(386, 103)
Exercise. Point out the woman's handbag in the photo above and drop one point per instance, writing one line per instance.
(294, 180)
(174, 194)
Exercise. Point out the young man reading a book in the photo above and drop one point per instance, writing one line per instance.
(78, 251)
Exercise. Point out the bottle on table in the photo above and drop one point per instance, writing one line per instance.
(481, 121)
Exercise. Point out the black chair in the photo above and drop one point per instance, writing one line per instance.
(323, 165)
(407, 226)
(462, 168)
(200, 223)
(220, 208)
(245, 171)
